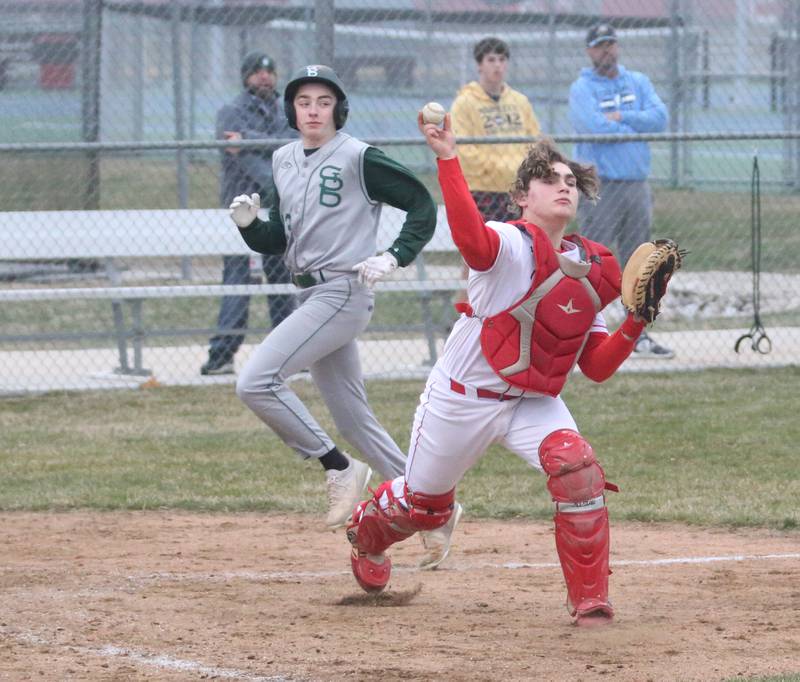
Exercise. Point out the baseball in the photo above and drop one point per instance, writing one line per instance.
(433, 112)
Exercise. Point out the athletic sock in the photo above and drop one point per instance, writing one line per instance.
(334, 460)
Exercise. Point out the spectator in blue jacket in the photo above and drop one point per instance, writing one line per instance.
(255, 114)
(609, 99)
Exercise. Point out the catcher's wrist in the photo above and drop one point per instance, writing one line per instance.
(632, 326)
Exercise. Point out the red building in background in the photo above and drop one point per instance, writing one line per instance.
(57, 56)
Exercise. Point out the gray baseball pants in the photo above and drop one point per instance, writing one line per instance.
(620, 219)
(320, 335)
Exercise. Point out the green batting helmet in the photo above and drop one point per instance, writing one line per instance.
(316, 73)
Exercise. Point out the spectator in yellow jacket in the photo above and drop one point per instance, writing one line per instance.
(489, 107)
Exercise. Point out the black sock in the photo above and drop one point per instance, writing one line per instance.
(334, 460)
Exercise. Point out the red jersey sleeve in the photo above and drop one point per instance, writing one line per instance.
(603, 353)
(478, 244)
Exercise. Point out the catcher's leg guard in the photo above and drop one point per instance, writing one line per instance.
(576, 483)
(386, 518)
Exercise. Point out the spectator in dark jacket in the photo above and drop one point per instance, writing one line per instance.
(255, 114)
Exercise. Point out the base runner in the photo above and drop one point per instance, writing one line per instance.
(535, 301)
(329, 189)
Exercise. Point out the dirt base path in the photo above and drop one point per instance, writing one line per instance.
(173, 596)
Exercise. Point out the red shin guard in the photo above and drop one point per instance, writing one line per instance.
(429, 512)
(371, 532)
(577, 483)
(582, 542)
(381, 521)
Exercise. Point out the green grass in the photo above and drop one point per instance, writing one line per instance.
(709, 448)
(133, 182)
(716, 228)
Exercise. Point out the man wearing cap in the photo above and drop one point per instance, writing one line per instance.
(608, 99)
(329, 190)
(490, 107)
(256, 113)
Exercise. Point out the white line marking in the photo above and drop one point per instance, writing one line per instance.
(157, 661)
(266, 576)
(672, 561)
(706, 559)
(170, 663)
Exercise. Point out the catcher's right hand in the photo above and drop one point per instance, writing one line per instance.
(244, 209)
(441, 140)
(646, 275)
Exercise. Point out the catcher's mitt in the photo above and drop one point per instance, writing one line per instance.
(646, 274)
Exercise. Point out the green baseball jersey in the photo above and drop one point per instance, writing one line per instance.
(326, 206)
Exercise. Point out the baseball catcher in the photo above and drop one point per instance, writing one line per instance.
(536, 297)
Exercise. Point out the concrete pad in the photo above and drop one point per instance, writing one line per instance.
(94, 369)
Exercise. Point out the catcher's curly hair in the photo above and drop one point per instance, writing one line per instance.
(538, 164)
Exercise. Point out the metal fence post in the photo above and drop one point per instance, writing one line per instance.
(790, 101)
(676, 90)
(552, 70)
(795, 96)
(705, 65)
(324, 18)
(182, 166)
(90, 100)
(689, 101)
(773, 68)
(138, 79)
(194, 57)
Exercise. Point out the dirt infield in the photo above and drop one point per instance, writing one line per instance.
(174, 596)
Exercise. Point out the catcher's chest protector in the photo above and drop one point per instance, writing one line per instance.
(535, 343)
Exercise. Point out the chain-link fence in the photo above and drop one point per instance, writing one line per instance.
(112, 228)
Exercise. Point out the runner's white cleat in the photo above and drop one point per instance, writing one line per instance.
(437, 542)
(345, 489)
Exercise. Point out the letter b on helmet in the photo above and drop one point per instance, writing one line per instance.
(316, 73)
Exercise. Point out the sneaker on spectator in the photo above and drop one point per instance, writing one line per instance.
(646, 347)
(344, 491)
(214, 367)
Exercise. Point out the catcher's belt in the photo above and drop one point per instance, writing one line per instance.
(458, 387)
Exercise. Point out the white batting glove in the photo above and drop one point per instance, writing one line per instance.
(244, 209)
(375, 268)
